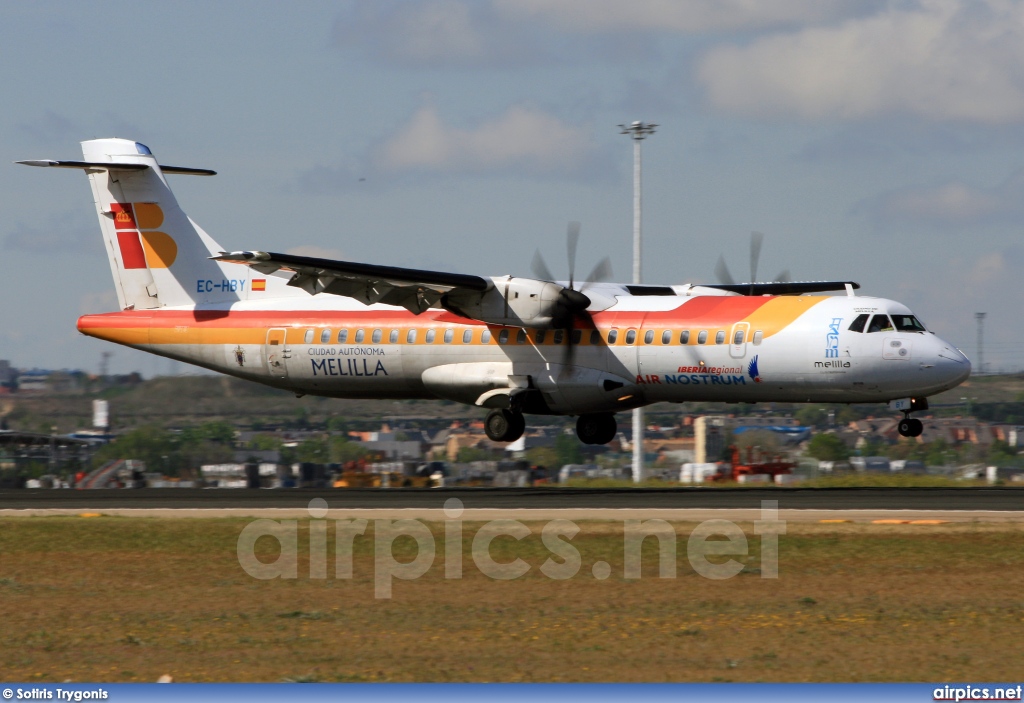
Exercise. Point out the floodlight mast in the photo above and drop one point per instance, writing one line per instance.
(638, 131)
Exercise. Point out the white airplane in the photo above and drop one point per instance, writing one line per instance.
(514, 345)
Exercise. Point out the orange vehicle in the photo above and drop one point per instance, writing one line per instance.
(754, 465)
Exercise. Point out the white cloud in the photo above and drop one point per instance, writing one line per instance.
(934, 59)
(520, 140)
(677, 16)
(432, 33)
(949, 205)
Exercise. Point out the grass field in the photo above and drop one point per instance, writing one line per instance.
(119, 599)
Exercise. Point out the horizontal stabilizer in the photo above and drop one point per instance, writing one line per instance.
(782, 287)
(109, 166)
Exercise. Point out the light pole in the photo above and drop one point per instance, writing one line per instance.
(980, 317)
(638, 131)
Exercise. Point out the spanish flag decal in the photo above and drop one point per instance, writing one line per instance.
(259, 284)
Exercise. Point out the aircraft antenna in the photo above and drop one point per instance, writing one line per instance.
(638, 131)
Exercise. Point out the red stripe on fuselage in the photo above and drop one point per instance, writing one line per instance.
(705, 311)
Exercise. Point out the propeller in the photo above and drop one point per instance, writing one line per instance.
(756, 240)
(572, 303)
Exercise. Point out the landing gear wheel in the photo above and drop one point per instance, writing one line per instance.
(504, 425)
(910, 427)
(599, 428)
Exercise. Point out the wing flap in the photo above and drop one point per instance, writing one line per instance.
(413, 289)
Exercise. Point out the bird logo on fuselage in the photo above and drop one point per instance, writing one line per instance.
(752, 370)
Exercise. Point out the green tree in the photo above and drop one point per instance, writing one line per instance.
(568, 449)
(342, 450)
(826, 446)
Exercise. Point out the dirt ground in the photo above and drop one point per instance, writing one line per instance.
(120, 599)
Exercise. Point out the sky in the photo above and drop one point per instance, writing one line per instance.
(876, 141)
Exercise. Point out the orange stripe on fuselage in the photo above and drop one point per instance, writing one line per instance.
(204, 326)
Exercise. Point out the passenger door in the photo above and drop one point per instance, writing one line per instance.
(278, 352)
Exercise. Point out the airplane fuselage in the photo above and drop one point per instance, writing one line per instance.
(641, 350)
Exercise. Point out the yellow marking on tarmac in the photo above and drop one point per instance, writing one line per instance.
(890, 522)
(833, 521)
(90, 515)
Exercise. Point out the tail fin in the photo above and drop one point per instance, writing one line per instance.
(158, 256)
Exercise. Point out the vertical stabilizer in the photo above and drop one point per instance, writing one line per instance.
(158, 256)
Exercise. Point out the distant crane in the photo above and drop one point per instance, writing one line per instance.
(105, 363)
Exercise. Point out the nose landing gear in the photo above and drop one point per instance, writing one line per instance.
(910, 427)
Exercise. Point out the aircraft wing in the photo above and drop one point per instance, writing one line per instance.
(413, 289)
(782, 287)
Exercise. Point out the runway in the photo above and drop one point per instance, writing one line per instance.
(953, 500)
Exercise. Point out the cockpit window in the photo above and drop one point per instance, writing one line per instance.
(143, 149)
(880, 323)
(907, 323)
(858, 323)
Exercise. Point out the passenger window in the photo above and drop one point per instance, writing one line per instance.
(558, 337)
(485, 337)
(309, 337)
(577, 336)
(630, 336)
(612, 336)
(907, 323)
(449, 335)
(393, 337)
(521, 337)
(325, 336)
(410, 337)
(503, 337)
(738, 337)
(430, 336)
(376, 336)
(666, 337)
(467, 336)
(648, 336)
(880, 323)
(858, 323)
(595, 338)
(342, 336)
(702, 337)
(719, 336)
(540, 335)
(360, 336)
(758, 336)
(684, 337)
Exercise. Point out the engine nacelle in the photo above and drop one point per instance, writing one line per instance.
(516, 302)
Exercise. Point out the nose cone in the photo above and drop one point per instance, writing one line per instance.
(951, 366)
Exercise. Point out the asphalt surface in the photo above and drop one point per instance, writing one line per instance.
(946, 499)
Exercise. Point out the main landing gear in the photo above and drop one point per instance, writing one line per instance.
(504, 425)
(599, 428)
(509, 425)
